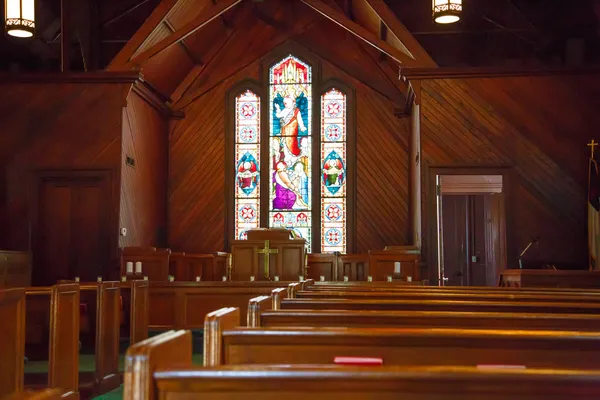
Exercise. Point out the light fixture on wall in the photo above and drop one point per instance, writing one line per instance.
(19, 18)
(446, 11)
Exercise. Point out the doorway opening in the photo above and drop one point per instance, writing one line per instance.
(470, 228)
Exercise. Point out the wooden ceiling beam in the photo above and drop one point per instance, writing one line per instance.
(205, 17)
(423, 59)
(154, 20)
(184, 46)
(359, 31)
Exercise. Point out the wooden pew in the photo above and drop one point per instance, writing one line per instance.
(12, 345)
(260, 314)
(231, 344)
(61, 302)
(402, 286)
(161, 367)
(104, 304)
(135, 307)
(438, 305)
(452, 296)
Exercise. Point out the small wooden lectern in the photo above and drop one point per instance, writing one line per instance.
(268, 253)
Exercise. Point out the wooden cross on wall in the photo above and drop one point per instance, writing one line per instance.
(592, 144)
(267, 251)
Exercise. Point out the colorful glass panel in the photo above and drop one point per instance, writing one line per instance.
(333, 172)
(290, 110)
(247, 163)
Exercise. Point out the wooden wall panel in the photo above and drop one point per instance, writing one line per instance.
(537, 126)
(196, 176)
(56, 126)
(144, 186)
(197, 171)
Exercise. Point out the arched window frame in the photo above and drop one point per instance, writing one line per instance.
(319, 87)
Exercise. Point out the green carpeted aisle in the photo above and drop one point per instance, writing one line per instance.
(117, 394)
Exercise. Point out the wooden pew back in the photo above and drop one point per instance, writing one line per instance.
(271, 382)
(44, 394)
(108, 319)
(139, 310)
(437, 305)
(453, 296)
(427, 319)
(63, 368)
(397, 346)
(12, 343)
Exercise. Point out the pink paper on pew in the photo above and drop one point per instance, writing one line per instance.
(484, 366)
(364, 361)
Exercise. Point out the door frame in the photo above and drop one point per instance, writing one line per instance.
(507, 173)
(39, 175)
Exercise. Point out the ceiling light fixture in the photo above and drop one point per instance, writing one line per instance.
(19, 18)
(446, 11)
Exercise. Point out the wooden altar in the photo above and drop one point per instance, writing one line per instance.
(285, 256)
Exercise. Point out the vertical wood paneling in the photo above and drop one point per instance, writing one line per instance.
(537, 126)
(144, 186)
(57, 126)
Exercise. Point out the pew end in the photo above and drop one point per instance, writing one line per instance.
(214, 324)
(255, 306)
(172, 349)
(277, 295)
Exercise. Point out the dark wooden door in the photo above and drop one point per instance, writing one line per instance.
(455, 243)
(70, 234)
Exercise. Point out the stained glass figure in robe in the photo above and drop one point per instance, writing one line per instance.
(290, 145)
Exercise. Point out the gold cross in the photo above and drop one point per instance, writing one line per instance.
(267, 251)
(593, 144)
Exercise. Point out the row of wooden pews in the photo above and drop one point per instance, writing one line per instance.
(385, 341)
(47, 342)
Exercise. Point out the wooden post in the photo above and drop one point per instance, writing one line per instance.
(65, 35)
(415, 167)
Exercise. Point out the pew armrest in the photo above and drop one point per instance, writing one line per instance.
(168, 350)
(214, 324)
(255, 305)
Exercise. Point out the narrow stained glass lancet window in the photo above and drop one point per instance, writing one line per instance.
(333, 172)
(290, 109)
(247, 163)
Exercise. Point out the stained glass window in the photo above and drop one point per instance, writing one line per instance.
(290, 91)
(247, 163)
(333, 172)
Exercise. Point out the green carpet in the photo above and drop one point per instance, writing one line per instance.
(117, 394)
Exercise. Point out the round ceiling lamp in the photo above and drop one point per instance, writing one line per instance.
(446, 11)
(19, 18)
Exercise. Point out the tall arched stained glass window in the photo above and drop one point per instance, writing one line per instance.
(247, 163)
(333, 172)
(290, 98)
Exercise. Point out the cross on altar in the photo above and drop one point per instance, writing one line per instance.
(267, 251)
(593, 144)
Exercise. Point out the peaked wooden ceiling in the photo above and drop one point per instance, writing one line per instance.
(185, 46)
(491, 32)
